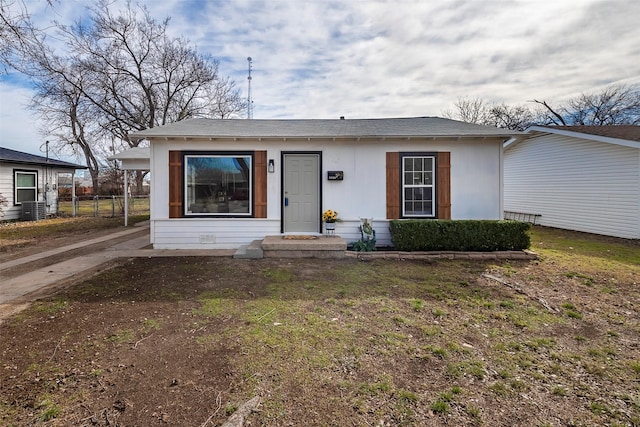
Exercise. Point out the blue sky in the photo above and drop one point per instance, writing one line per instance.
(366, 58)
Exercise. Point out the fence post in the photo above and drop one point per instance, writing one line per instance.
(113, 206)
(126, 207)
(95, 206)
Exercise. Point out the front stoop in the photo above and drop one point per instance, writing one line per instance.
(321, 247)
(250, 251)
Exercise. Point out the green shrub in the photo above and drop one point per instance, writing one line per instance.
(459, 235)
(364, 245)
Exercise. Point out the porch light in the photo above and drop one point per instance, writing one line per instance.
(272, 166)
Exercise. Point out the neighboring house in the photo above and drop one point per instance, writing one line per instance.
(26, 177)
(584, 178)
(223, 183)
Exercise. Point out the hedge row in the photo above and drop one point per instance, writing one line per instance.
(459, 235)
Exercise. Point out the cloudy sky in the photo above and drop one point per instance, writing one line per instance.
(370, 58)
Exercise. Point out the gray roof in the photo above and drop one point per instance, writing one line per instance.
(13, 156)
(322, 128)
(135, 153)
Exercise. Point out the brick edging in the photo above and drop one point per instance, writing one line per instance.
(501, 255)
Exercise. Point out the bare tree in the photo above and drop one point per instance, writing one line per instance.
(68, 119)
(223, 100)
(614, 105)
(475, 110)
(517, 117)
(15, 27)
(119, 73)
(470, 110)
(139, 77)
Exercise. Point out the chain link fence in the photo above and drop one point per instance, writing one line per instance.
(102, 206)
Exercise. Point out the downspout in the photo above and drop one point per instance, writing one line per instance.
(501, 216)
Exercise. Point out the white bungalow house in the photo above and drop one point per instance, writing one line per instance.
(27, 178)
(220, 184)
(584, 178)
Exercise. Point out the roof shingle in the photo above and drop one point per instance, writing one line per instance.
(323, 128)
(8, 155)
(628, 132)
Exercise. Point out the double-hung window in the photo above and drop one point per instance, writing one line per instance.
(418, 186)
(218, 184)
(26, 187)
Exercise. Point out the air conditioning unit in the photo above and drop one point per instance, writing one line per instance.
(33, 211)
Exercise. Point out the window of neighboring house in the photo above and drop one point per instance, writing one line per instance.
(26, 187)
(418, 186)
(218, 184)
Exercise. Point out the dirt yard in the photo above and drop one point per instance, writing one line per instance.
(186, 341)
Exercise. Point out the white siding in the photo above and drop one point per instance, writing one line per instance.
(475, 187)
(191, 233)
(350, 231)
(45, 176)
(202, 233)
(575, 184)
(6, 189)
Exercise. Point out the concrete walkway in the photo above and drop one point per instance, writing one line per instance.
(67, 248)
(16, 292)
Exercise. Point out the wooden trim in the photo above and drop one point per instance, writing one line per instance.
(393, 185)
(175, 184)
(260, 184)
(443, 185)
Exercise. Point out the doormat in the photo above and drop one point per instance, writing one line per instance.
(299, 237)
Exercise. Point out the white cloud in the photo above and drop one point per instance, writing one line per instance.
(369, 58)
(17, 125)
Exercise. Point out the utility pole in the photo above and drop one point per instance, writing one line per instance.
(249, 100)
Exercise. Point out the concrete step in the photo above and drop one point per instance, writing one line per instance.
(250, 251)
(311, 247)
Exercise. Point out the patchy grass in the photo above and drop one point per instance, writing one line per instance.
(179, 341)
(47, 409)
(59, 227)
(16, 235)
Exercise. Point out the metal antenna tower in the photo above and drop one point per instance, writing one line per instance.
(249, 100)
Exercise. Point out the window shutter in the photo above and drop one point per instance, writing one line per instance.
(260, 184)
(393, 185)
(175, 184)
(443, 186)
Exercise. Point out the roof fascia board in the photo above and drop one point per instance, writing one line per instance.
(43, 164)
(362, 138)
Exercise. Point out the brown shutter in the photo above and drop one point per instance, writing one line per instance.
(393, 185)
(175, 184)
(260, 184)
(443, 186)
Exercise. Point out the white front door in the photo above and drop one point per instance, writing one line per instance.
(301, 201)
